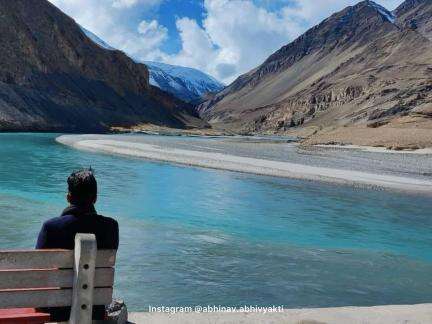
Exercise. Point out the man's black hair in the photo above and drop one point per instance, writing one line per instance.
(82, 187)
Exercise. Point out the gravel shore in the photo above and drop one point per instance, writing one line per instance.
(231, 162)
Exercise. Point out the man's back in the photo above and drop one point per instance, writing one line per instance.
(80, 217)
(59, 232)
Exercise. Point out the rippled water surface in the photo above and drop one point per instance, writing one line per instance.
(194, 236)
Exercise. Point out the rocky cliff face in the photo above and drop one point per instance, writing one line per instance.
(53, 77)
(361, 66)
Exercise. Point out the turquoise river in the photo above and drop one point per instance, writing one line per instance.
(193, 236)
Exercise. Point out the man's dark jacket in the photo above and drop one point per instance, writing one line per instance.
(59, 233)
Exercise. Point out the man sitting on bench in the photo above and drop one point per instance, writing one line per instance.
(79, 217)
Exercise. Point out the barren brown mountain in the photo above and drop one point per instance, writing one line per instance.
(52, 77)
(362, 76)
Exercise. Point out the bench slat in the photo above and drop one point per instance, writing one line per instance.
(17, 279)
(47, 259)
(48, 297)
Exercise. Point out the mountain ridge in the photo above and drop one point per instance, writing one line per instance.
(274, 63)
(54, 78)
(340, 73)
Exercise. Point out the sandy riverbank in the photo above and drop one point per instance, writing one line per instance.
(377, 149)
(419, 314)
(161, 130)
(405, 133)
(245, 164)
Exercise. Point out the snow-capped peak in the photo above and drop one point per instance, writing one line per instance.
(192, 74)
(383, 11)
(185, 83)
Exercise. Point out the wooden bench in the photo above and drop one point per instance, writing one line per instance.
(57, 278)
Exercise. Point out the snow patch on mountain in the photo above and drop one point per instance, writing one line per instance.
(383, 11)
(96, 39)
(186, 83)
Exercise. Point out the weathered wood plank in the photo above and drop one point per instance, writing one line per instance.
(47, 259)
(48, 297)
(18, 279)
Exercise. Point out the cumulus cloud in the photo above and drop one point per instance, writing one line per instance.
(118, 23)
(233, 37)
(152, 33)
(124, 3)
(238, 35)
(130, 3)
(197, 47)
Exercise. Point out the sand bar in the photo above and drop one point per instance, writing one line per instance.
(246, 164)
(377, 149)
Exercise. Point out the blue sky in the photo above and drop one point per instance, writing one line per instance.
(169, 11)
(224, 38)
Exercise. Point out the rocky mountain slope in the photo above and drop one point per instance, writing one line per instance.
(362, 68)
(416, 15)
(54, 78)
(188, 84)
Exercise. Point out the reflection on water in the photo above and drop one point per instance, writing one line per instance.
(194, 236)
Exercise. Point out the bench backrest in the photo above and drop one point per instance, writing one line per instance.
(55, 278)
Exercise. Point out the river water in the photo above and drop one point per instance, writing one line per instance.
(192, 236)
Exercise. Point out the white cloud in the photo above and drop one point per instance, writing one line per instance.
(238, 35)
(152, 30)
(197, 48)
(234, 36)
(152, 34)
(120, 4)
(124, 3)
(111, 21)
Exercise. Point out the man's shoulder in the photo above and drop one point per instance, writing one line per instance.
(63, 221)
(108, 220)
(57, 221)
